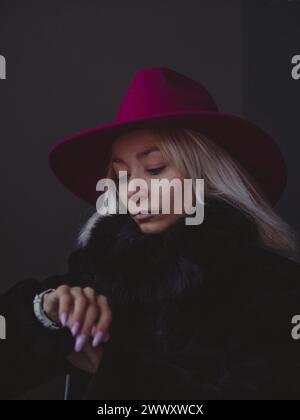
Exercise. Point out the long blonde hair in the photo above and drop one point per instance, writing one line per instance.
(197, 156)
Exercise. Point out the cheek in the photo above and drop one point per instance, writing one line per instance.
(122, 195)
(176, 194)
(174, 197)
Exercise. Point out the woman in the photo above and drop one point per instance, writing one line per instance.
(160, 309)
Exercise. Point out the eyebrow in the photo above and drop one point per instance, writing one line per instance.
(140, 154)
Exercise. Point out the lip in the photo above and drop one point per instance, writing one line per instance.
(140, 216)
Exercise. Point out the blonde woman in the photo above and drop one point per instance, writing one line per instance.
(151, 307)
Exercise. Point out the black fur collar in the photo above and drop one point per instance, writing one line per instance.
(131, 266)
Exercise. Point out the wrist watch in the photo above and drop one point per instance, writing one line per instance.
(41, 314)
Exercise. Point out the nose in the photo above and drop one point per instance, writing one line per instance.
(141, 191)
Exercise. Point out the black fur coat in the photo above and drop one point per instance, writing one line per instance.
(199, 312)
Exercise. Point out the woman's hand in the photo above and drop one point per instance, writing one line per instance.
(86, 314)
(88, 359)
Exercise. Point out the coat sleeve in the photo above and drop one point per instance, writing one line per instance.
(261, 360)
(32, 354)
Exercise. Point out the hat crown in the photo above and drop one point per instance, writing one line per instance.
(159, 90)
(162, 97)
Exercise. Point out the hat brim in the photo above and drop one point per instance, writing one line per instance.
(81, 160)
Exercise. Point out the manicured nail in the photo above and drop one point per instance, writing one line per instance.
(64, 318)
(80, 342)
(75, 328)
(97, 339)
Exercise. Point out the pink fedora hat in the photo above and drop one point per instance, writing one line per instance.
(161, 97)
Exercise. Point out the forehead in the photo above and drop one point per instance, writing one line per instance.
(134, 141)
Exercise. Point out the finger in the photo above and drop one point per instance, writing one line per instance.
(104, 320)
(90, 318)
(92, 312)
(51, 305)
(106, 336)
(79, 307)
(64, 301)
(90, 294)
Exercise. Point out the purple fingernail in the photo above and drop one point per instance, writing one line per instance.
(97, 339)
(75, 328)
(64, 318)
(80, 342)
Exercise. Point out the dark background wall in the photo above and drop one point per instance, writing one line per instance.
(271, 97)
(68, 65)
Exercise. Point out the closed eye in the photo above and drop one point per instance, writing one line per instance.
(156, 171)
